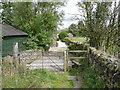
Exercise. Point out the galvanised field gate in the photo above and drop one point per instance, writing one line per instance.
(38, 59)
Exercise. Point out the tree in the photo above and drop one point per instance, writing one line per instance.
(95, 21)
(73, 28)
(101, 25)
(46, 22)
(7, 13)
(118, 44)
(23, 15)
(39, 20)
(63, 34)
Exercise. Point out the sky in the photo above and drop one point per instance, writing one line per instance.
(69, 10)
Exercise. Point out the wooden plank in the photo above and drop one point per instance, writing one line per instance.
(77, 63)
(77, 51)
(69, 64)
(76, 57)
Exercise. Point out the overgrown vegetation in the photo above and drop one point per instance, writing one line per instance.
(90, 78)
(63, 34)
(20, 77)
(100, 23)
(37, 79)
(38, 19)
(97, 71)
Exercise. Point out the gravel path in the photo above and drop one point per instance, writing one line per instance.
(61, 44)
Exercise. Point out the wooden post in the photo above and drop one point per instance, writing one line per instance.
(15, 51)
(88, 55)
(65, 61)
(67, 56)
(87, 51)
(42, 53)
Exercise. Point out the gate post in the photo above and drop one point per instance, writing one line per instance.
(15, 52)
(65, 61)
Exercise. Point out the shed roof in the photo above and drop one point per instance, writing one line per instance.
(8, 30)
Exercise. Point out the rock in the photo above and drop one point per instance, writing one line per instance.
(70, 35)
(71, 77)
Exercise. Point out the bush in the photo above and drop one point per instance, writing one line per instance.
(66, 40)
(31, 43)
(62, 35)
(37, 41)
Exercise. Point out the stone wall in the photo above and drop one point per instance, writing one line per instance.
(107, 66)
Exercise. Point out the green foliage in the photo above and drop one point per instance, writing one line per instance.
(63, 34)
(91, 79)
(37, 79)
(89, 73)
(23, 15)
(77, 29)
(66, 40)
(98, 71)
(97, 28)
(79, 39)
(7, 12)
(95, 21)
(18, 76)
(73, 28)
(31, 43)
(39, 20)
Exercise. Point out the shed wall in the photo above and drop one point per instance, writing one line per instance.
(7, 44)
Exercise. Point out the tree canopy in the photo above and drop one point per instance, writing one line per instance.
(99, 24)
(39, 20)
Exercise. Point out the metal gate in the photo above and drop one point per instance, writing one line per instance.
(38, 59)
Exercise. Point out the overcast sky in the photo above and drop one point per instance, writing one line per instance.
(69, 9)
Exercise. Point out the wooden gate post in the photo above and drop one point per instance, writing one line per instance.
(65, 61)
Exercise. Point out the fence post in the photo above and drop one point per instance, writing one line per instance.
(88, 55)
(15, 52)
(67, 56)
(65, 61)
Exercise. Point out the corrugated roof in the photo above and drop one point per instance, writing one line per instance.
(8, 30)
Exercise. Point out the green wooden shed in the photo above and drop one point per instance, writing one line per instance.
(10, 35)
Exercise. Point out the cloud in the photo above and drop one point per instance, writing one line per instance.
(70, 9)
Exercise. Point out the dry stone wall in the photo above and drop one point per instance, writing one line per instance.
(107, 66)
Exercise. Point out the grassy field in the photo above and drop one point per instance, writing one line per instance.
(79, 39)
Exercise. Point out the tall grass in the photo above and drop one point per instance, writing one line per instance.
(20, 77)
(37, 79)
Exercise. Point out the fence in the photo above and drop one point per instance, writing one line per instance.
(39, 59)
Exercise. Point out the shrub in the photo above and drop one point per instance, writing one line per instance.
(31, 43)
(63, 34)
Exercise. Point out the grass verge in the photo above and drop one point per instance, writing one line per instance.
(37, 79)
(14, 76)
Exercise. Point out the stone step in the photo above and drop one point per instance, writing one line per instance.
(76, 84)
(72, 78)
